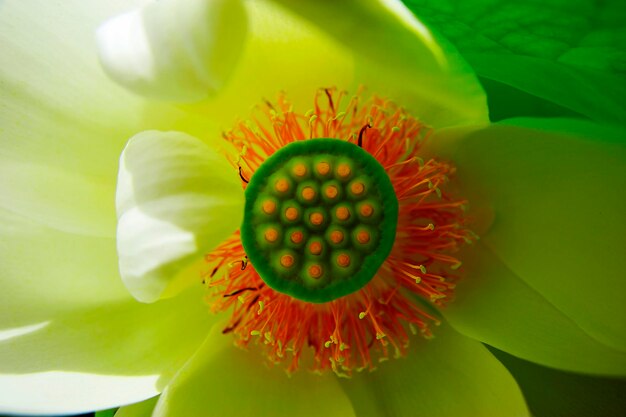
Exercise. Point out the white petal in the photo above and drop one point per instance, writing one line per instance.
(63, 122)
(71, 337)
(174, 50)
(100, 357)
(176, 199)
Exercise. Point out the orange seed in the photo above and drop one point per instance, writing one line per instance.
(271, 235)
(316, 218)
(343, 260)
(315, 271)
(269, 207)
(291, 213)
(363, 237)
(286, 261)
(323, 168)
(282, 185)
(308, 193)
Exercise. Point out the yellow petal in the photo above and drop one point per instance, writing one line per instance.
(559, 213)
(222, 380)
(450, 375)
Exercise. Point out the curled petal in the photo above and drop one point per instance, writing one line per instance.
(177, 198)
(174, 50)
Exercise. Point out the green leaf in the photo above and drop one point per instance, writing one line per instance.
(568, 52)
(551, 393)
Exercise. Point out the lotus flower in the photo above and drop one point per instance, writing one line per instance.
(108, 262)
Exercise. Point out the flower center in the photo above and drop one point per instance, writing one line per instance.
(346, 244)
(320, 219)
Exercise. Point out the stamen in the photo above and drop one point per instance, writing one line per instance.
(242, 177)
(361, 132)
